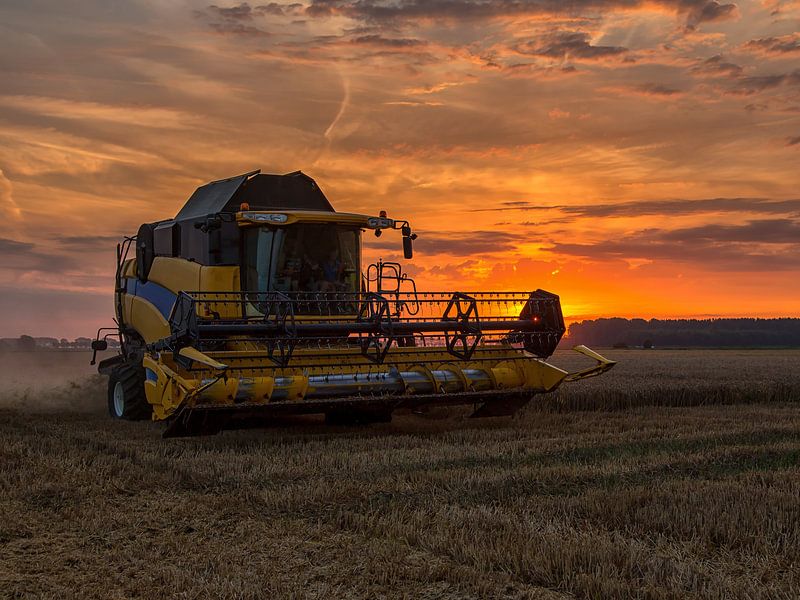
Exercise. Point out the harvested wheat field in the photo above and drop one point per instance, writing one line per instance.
(674, 476)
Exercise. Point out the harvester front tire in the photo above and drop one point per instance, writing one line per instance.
(126, 398)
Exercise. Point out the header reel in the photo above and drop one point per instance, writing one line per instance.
(277, 323)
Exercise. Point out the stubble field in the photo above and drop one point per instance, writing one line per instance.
(676, 475)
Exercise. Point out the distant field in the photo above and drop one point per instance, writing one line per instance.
(683, 378)
(676, 475)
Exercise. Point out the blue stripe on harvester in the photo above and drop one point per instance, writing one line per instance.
(157, 295)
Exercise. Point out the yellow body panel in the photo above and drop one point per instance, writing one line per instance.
(163, 393)
(256, 389)
(146, 319)
(129, 268)
(219, 279)
(175, 274)
(181, 275)
(540, 375)
(195, 355)
(219, 390)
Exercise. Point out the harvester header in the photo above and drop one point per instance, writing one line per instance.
(253, 302)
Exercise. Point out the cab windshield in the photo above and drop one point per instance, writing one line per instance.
(305, 257)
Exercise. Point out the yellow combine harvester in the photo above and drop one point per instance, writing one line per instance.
(252, 302)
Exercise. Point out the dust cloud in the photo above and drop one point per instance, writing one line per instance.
(51, 381)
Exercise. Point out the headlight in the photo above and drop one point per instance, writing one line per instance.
(380, 223)
(265, 217)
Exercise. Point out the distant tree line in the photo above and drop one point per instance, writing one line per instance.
(660, 333)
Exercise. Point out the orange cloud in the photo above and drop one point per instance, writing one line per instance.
(638, 158)
(9, 208)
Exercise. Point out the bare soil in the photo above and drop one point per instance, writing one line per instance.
(677, 475)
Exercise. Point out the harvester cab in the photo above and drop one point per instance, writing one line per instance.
(253, 302)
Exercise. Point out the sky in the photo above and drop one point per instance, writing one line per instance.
(638, 158)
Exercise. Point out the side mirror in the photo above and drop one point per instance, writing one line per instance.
(408, 250)
(97, 346)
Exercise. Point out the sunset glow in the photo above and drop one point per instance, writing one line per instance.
(639, 159)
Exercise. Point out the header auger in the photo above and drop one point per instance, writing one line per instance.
(252, 302)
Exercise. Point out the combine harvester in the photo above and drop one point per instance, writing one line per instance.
(252, 303)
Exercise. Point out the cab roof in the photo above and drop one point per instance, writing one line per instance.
(261, 192)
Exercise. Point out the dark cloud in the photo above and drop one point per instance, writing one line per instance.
(380, 41)
(657, 89)
(710, 257)
(755, 106)
(517, 205)
(663, 207)
(754, 246)
(453, 270)
(24, 256)
(746, 86)
(687, 207)
(717, 66)
(245, 12)
(89, 242)
(231, 20)
(238, 29)
(706, 12)
(469, 243)
(379, 11)
(775, 45)
(542, 223)
(276, 8)
(536, 71)
(764, 231)
(793, 141)
(11, 248)
(323, 8)
(241, 12)
(753, 85)
(653, 90)
(568, 44)
(456, 243)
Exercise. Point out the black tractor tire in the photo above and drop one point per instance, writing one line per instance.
(355, 416)
(126, 398)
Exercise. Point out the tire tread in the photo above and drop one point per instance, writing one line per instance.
(137, 408)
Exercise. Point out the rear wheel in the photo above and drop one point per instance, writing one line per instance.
(126, 397)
